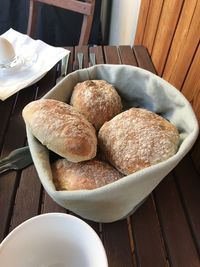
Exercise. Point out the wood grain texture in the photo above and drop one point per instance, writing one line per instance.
(152, 23)
(191, 86)
(167, 25)
(195, 155)
(14, 137)
(27, 201)
(175, 71)
(111, 55)
(189, 183)
(116, 245)
(142, 19)
(115, 238)
(86, 8)
(147, 231)
(188, 50)
(177, 234)
(175, 50)
(127, 56)
(143, 59)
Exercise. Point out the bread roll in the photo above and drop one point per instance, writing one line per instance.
(84, 175)
(97, 100)
(62, 129)
(137, 138)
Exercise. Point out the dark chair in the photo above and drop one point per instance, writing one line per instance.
(85, 8)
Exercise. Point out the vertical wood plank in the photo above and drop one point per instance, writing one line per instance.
(49, 205)
(191, 86)
(117, 246)
(143, 58)
(189, 184)
(116, 243)
(147, 232)
(167, 24)
(188, 45)
(155, 9)
(111, 55)
(5, 111)
(191, 90)
(180, 37)
(27, 201)
(195, 154)
(127, 56)
(147, 235)
(144, 10)
(15, 137)
(179, 241)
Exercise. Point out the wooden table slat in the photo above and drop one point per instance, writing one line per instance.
(117, 245)
(15, 136)
(147, 236)
(27, 201)
(49, 205)
(6, 108)
(127, 56)
(147, 231)
(188, 181)
(116, 241)
(143, 58)
(8, 184)
(111, 55)
(177, 235)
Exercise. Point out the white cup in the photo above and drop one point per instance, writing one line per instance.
(53, 240)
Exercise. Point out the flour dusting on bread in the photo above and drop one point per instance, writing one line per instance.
(138, 138)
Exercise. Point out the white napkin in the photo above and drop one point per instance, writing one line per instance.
(39, 59)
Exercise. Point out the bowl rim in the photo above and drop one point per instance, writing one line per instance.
(66, 216)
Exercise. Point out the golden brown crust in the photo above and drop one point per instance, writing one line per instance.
(62, 129)
(97, 100)
(84, 175)
(136, 139)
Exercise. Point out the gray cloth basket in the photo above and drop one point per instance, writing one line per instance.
(138, 88)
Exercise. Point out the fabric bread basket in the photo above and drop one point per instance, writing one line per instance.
(138, 88)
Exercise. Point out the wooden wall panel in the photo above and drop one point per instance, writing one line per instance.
(171, 33)
(191, 87)
(155, 9)
(167, 24)
(144, 9)
(172, 71)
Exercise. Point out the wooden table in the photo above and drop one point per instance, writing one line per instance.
(164, 231)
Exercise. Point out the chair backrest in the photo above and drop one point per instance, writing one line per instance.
(85, 8)
(170, 30)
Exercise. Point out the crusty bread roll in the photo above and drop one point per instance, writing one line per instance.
(97, 100)
(84, 175)
(62, 129)
(137, 138)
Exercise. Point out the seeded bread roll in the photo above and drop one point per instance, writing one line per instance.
(136, 139)
(62, 129)
(84, 175)
(97, 100)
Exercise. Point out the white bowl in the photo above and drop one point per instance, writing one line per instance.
(138, 88)
(53, 240)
